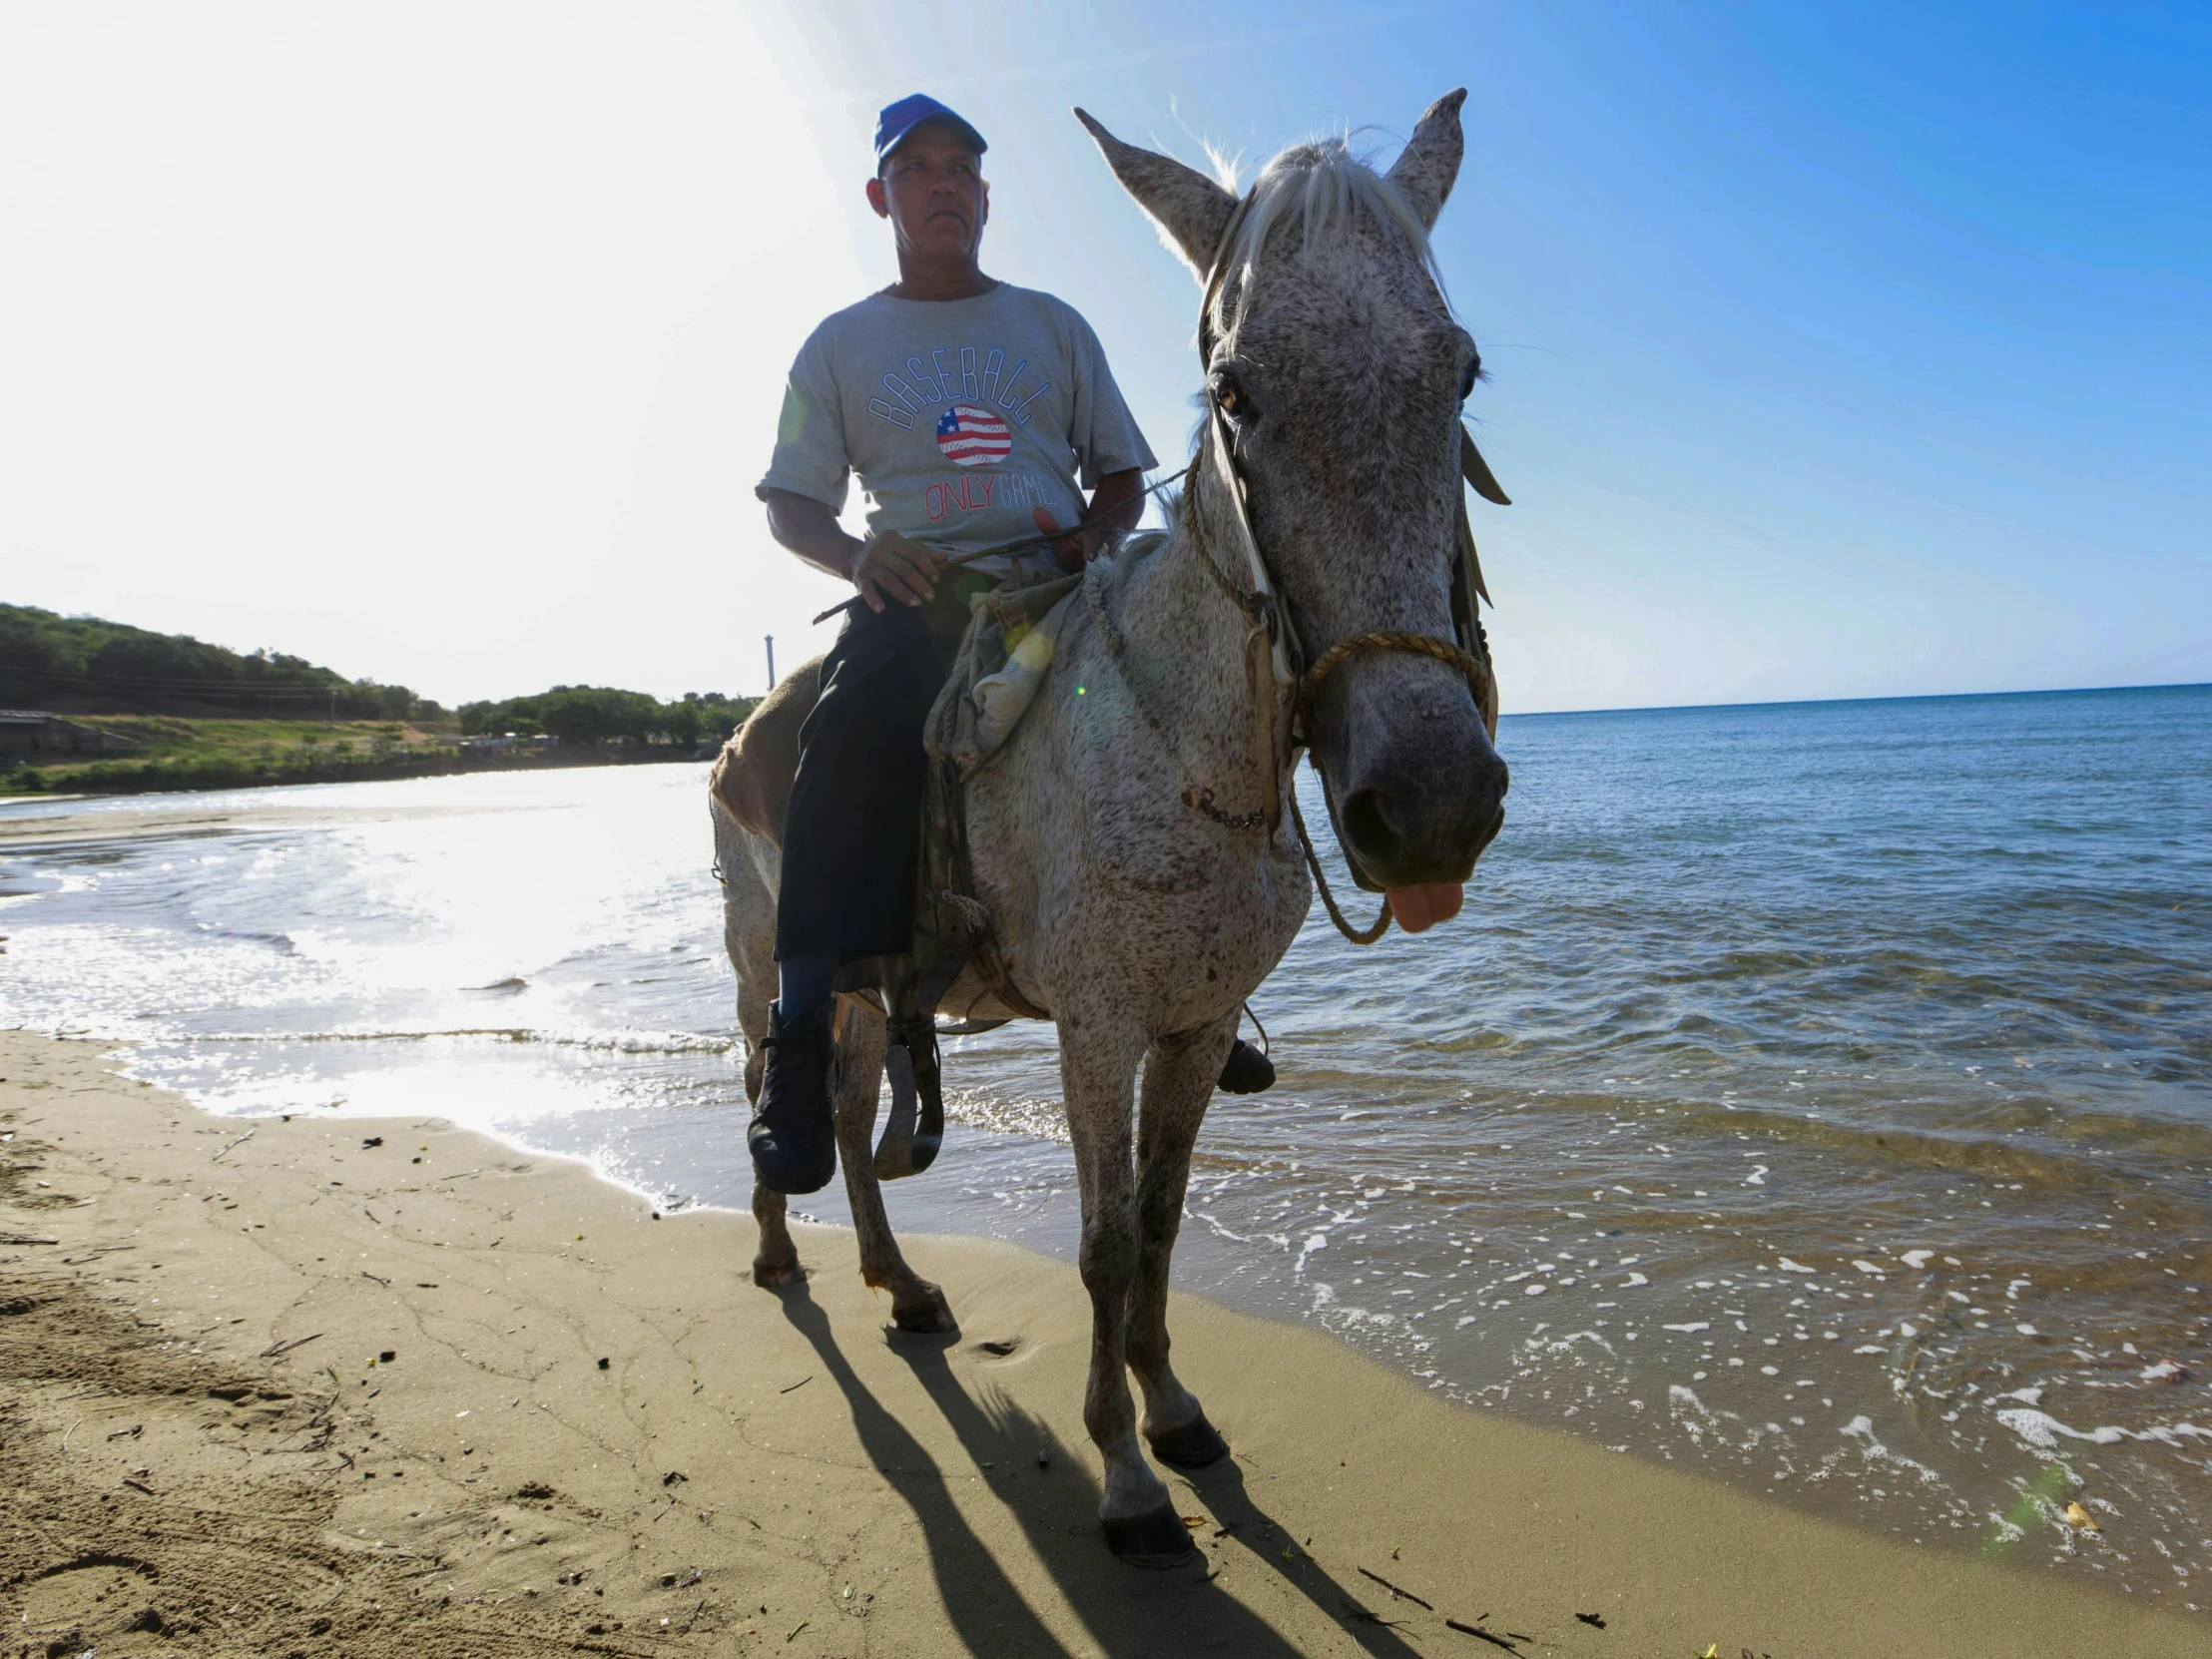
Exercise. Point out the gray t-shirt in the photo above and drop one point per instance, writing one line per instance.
(961, 416)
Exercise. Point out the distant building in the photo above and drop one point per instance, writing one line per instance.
(29, 733)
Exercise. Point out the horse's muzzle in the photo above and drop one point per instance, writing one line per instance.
(1421, 791)
(1412, 836)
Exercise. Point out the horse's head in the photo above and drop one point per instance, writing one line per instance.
(1340, 374)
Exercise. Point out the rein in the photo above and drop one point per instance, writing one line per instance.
(1269, 616)
(1041, 540)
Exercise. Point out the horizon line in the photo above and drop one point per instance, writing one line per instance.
(1815, 701)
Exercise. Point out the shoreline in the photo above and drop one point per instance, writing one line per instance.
(154, 777)
(188, 819)
(873, 1493)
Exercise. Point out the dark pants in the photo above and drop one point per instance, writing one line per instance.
(853, 830)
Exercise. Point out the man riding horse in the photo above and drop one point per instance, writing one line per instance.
(974, 412)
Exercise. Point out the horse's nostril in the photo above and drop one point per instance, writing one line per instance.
(1490, 830)
(1367, 826)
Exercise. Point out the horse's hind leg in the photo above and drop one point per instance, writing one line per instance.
(916, 1305)
(747, 867)
(1179, 1076)
(777, 1261)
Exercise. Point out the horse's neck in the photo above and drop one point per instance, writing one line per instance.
(1186, 646)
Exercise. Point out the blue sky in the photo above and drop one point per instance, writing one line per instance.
(1834, 350)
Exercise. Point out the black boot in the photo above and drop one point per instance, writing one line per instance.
(1246, 1070)
(792, 1136)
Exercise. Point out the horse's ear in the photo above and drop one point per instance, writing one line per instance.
(1424, 171)
(1190, 208)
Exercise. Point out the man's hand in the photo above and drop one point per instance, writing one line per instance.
(1119, 500)
(1070, 552)
(885, 566)
(890, 566)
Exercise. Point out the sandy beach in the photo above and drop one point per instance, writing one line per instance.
(371, 1388)
(90, 820)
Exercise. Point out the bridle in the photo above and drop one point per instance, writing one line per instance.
(1270, 617)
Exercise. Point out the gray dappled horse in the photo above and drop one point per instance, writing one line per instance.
(1129, 841)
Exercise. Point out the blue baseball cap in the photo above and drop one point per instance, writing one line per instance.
(901, 118)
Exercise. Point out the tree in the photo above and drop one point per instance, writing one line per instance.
(683, 721)
(602, 714)
(84, 663)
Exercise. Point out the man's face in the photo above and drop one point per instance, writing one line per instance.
(931, 190)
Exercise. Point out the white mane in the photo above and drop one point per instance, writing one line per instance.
(1327, 188)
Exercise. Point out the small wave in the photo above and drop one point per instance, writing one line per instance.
(1860, 1428)
(1986, 1152)
(2043, 1431)
(639, 1042)
(619, 1042)
(283, 943)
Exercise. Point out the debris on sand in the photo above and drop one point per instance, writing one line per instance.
(1477, 1631)
(1403, 1595)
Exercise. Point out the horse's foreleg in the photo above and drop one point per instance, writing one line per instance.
(1179, 1077)
(916, 1305)
(1098, 1065)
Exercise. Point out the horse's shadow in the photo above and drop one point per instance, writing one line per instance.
(1125, 1609)
(1270, 1544)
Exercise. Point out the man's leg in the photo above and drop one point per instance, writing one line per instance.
(851, 836)
(802, 984)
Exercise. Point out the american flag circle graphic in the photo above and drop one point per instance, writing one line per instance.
(970, 436)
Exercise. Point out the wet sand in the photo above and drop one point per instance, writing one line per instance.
(91, 820)
(271, 1389)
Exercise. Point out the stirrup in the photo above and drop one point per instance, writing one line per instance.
(916, 1129)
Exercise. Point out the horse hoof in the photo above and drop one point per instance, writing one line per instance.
(1192, 1446)
(1156, 1538)
(927, 1316)
(772, 1271)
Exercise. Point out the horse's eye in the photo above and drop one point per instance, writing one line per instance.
(1468, 379)
(1230, 397)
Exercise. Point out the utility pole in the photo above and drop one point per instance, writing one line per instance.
(771, 661)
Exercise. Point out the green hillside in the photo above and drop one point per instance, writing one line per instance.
(200, 717)
(84, 665)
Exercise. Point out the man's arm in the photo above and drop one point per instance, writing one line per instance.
(885, 565)
(1119, 496)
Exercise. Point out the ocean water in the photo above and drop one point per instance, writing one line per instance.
(1817, 1095)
